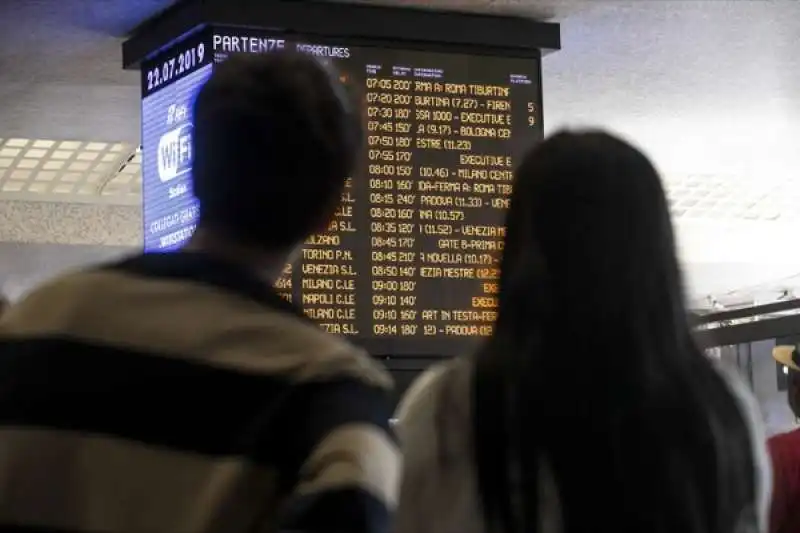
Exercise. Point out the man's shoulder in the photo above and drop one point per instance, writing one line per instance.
(326, 356)
(192, 321)
(71, 287)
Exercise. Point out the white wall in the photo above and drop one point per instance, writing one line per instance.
(705, 88)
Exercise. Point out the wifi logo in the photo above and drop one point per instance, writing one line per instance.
(175, 153)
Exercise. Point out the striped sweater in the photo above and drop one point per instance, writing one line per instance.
(177, 393)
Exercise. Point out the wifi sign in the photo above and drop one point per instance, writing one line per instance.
(175, 153)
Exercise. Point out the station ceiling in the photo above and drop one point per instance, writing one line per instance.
(707, 87)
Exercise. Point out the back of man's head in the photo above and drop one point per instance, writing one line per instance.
(275, 137)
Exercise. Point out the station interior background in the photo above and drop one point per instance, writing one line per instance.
(709, 88)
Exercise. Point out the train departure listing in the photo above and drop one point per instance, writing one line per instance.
(409, 264)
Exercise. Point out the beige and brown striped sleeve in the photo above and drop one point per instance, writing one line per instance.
(349, 480)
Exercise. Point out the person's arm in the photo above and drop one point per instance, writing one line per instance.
(439, 485)
(414, 398)
(758, 441)
(421, 490)
(785, 487)
(349, 479)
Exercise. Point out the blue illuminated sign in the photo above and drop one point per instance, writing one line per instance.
(170, 210)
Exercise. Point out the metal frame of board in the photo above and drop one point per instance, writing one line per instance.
(470, 32)
(725, 333)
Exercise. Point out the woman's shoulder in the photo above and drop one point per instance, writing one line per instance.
(438, 492)
(439, 489)
(421, 391)
(440, 398)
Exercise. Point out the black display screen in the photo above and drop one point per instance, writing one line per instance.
(409, 265)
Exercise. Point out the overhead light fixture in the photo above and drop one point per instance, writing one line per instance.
(66, 171)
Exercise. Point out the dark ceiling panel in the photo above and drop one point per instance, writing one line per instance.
(318, 17)
(39, 19)
(68, 41)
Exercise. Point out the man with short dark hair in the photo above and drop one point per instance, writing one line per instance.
(785, 452)
(271, 156)
(178, 392)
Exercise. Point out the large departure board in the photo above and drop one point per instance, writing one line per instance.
(409, 264)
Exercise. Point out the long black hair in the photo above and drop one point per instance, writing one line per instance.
(592, 368)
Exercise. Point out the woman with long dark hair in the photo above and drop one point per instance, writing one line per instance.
(590, 408)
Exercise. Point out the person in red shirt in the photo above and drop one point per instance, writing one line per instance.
(785, 452)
